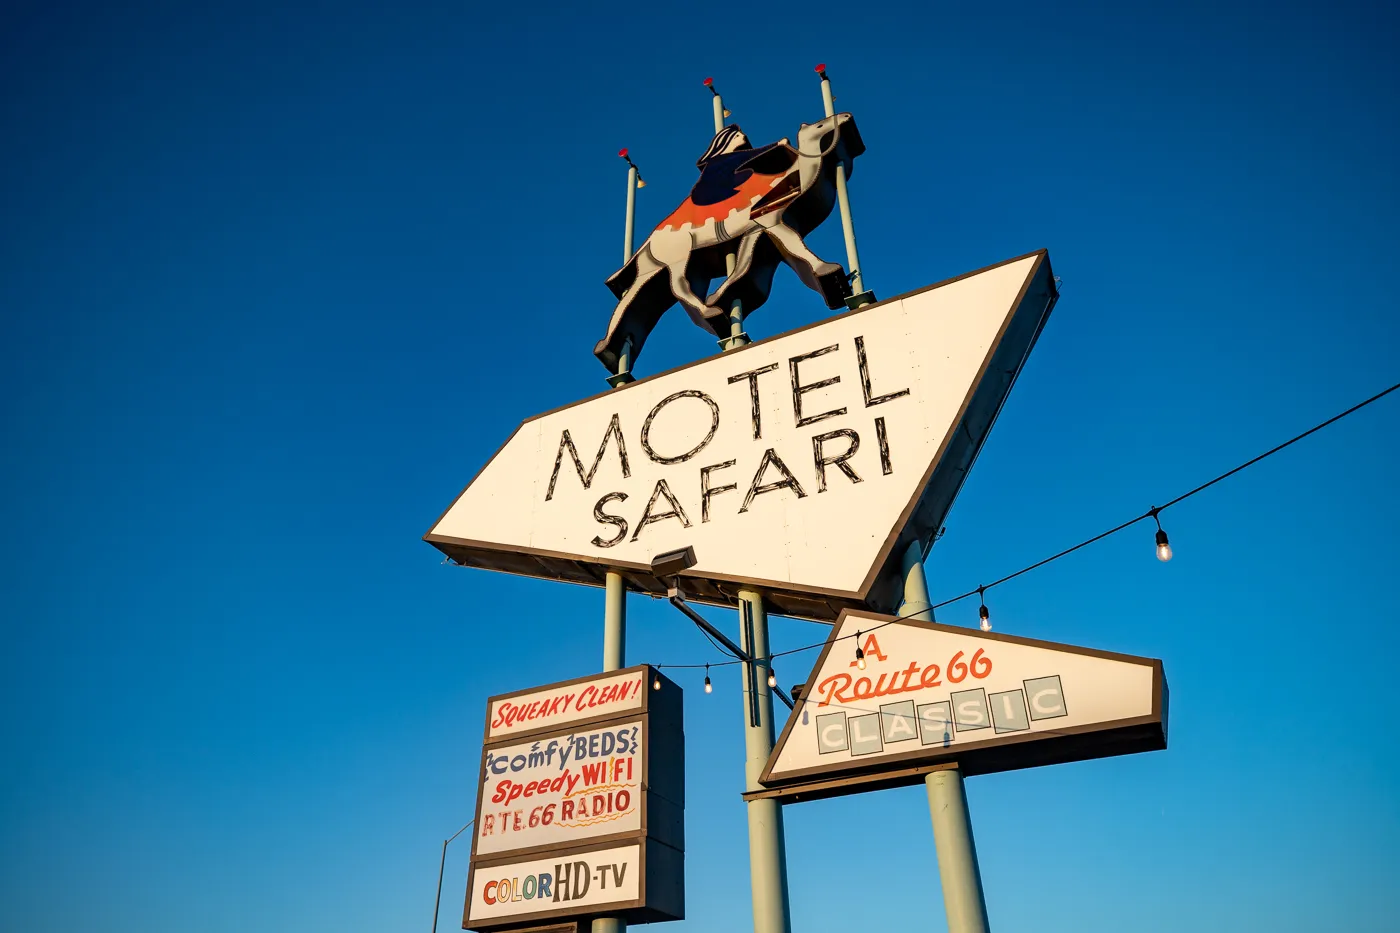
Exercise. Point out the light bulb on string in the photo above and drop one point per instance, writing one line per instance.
(1164, 548)
(860, 655)
(709, 687)
(772, 676)
(656, 682)
(982, 613)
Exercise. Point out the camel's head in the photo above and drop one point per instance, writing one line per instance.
(835, 136)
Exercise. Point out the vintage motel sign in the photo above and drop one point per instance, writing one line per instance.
(580, 804)
(803, 464)
(931, 694)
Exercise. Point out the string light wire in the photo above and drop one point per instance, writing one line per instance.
(1151, 513)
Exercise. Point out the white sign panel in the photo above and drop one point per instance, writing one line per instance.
(556, 707)
(792, 463)
(563, 790)
(577, 883)
(928, 692)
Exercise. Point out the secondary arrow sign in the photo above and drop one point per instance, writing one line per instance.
(925, 694)
(802, 465)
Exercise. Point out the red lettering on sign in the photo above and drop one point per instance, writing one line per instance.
(839, 688)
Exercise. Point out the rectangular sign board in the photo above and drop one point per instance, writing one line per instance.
(803, 464)
(640, 881)
(594, 765)
(551, 708)
(566, 790)
(933, 694)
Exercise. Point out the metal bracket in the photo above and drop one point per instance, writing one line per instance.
(674, 597)
(750, 667)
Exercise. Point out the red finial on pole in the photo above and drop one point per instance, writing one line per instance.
(710, 83)
(821, 70)
(622, 153)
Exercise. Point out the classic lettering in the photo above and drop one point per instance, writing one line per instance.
(706, 490)
(675, 511)
(839, 461)
(758, 488)
(651, 416)
(798, 389)
(865, 389)
(567, 443)
(756, 409)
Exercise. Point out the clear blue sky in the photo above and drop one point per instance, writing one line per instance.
(277, 278)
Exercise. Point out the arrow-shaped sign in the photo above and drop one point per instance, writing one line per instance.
(922, 694)
(802, 465)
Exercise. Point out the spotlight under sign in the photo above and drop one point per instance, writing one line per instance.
(803, 464)
(890, 700)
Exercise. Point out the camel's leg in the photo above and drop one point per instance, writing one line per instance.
(607, 348)
(743, 262)
(825, 277)
(680, 287)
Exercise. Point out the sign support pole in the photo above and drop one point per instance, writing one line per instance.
(947, 800)
(767, 846)
(737, 337)
(634, 181)
(615, 588)
(843, 200)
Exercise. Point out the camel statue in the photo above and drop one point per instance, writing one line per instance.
(756, 204)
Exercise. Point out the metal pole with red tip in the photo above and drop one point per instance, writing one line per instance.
(737, 338)
(634, 181)
(767, 838)
(614, 586)
(719, 111)
(843, 200)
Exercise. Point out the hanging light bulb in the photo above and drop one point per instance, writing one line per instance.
(709, 687)
(727, 112)
(1164, 548)
(982, 613)
(656, 682)
(860, 655)
(641, 183)
(772, 676)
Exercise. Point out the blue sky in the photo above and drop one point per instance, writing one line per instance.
(277, 278)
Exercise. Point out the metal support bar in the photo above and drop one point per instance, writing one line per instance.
(631, 212)
(947, 799)
(677, 600)
(442, 865)
(767, 848)
(843, 200)
(957, 854)
(750, 668)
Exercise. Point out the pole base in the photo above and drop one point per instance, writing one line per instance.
(864, 298)
(734, 341)
(621, 379)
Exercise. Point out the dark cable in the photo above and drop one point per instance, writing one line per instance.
(1150, 513)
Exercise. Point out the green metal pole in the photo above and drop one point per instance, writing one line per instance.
(843, 198)
(767, 849)
(442, 864)
(947, 799)
(737, 337)
(631, 211)
(615, 588)
(614, 647)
